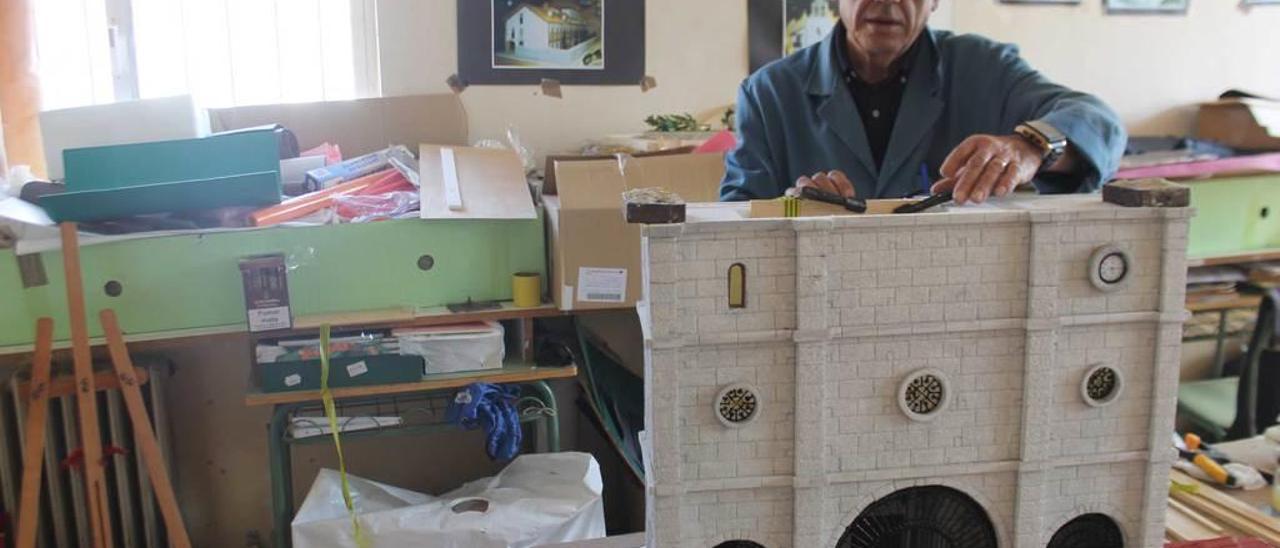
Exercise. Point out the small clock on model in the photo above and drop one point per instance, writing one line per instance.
(1109, 268)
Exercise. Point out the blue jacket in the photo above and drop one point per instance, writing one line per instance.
(796, 117)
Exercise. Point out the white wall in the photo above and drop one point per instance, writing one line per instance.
(1151, 69)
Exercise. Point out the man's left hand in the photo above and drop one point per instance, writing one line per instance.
(987, 165)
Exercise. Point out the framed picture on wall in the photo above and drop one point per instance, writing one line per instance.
(577, 42)
(777, 28)
(1146, 6)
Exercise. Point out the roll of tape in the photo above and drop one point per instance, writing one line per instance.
(526, 289)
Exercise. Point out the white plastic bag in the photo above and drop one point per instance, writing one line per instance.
(453, 349)
(537, 499)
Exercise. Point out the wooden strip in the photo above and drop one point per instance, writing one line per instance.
(1194, 516)
(33, 444)
(769, 209)
(1235, 258)
(1226, 517)
(86, 402)
(65, 385)
(509, 374)
(1231, 503)
(1181, 528)
(144, 435)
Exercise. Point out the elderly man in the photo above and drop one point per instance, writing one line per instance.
(887, 108)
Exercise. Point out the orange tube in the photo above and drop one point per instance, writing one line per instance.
(310, 203)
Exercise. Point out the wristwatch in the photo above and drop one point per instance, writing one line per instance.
(1051, 143)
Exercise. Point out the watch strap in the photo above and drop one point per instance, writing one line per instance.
(1051, 143)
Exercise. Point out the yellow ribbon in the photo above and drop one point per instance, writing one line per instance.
(331, 413)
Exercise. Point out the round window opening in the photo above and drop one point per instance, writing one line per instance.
(1101, 385)
(737, 405)
(924, 394)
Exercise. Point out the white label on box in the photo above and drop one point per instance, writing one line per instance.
(356, 369)
(266, 319)
(293, 380)
(602, 285)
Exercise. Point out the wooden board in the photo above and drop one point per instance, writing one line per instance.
(769, 209)
(491, 183)
(507, 374)
(143, 434)
(34, 436)
(65, 385)
(1230, 303)
(86, 401)
(1235, 258)
(401, 317)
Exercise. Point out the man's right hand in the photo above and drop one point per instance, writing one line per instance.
(834, 182)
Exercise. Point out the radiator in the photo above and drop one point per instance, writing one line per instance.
(64, 521)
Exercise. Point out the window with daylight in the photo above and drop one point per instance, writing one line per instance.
(221, 52)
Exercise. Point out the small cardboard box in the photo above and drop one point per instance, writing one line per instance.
(1250, 124)
(595, 254)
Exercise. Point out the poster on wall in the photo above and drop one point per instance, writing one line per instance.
(582, 42)
(778, 28)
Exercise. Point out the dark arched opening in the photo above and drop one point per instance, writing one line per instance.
(921, 517)
(739, 544)
(1088, 531)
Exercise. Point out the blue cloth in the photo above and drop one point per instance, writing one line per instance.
(493, 408)
(796, 117)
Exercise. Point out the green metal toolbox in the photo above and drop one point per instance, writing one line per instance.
(193, 282)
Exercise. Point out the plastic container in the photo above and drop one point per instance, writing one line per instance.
(358, 359)
(452, 349)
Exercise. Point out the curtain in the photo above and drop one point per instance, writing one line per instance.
(19, 86)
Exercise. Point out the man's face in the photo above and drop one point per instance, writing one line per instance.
(885, 27)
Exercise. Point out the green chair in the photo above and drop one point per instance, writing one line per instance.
(1227, 408)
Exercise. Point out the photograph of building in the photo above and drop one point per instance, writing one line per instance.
(807, 23)
(995, 377)
(550, 34)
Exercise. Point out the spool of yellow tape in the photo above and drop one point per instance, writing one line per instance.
(526, 289)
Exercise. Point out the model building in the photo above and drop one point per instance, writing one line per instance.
(1001, 376)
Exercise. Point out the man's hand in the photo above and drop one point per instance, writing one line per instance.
(833, 181)
(987, 165)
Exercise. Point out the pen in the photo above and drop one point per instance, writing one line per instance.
(924, 179)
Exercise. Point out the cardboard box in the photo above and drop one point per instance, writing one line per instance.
(595, 254)
(1250, 124)
(359, 126)
(549, 174)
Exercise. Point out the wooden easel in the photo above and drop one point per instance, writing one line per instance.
(86, 402)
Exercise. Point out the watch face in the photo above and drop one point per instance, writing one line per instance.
(1113, 268)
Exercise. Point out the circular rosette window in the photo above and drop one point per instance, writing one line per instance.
(1101, 386)
(737, 405)
(924, 394)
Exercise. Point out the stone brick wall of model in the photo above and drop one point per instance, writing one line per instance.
(1005, 373)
